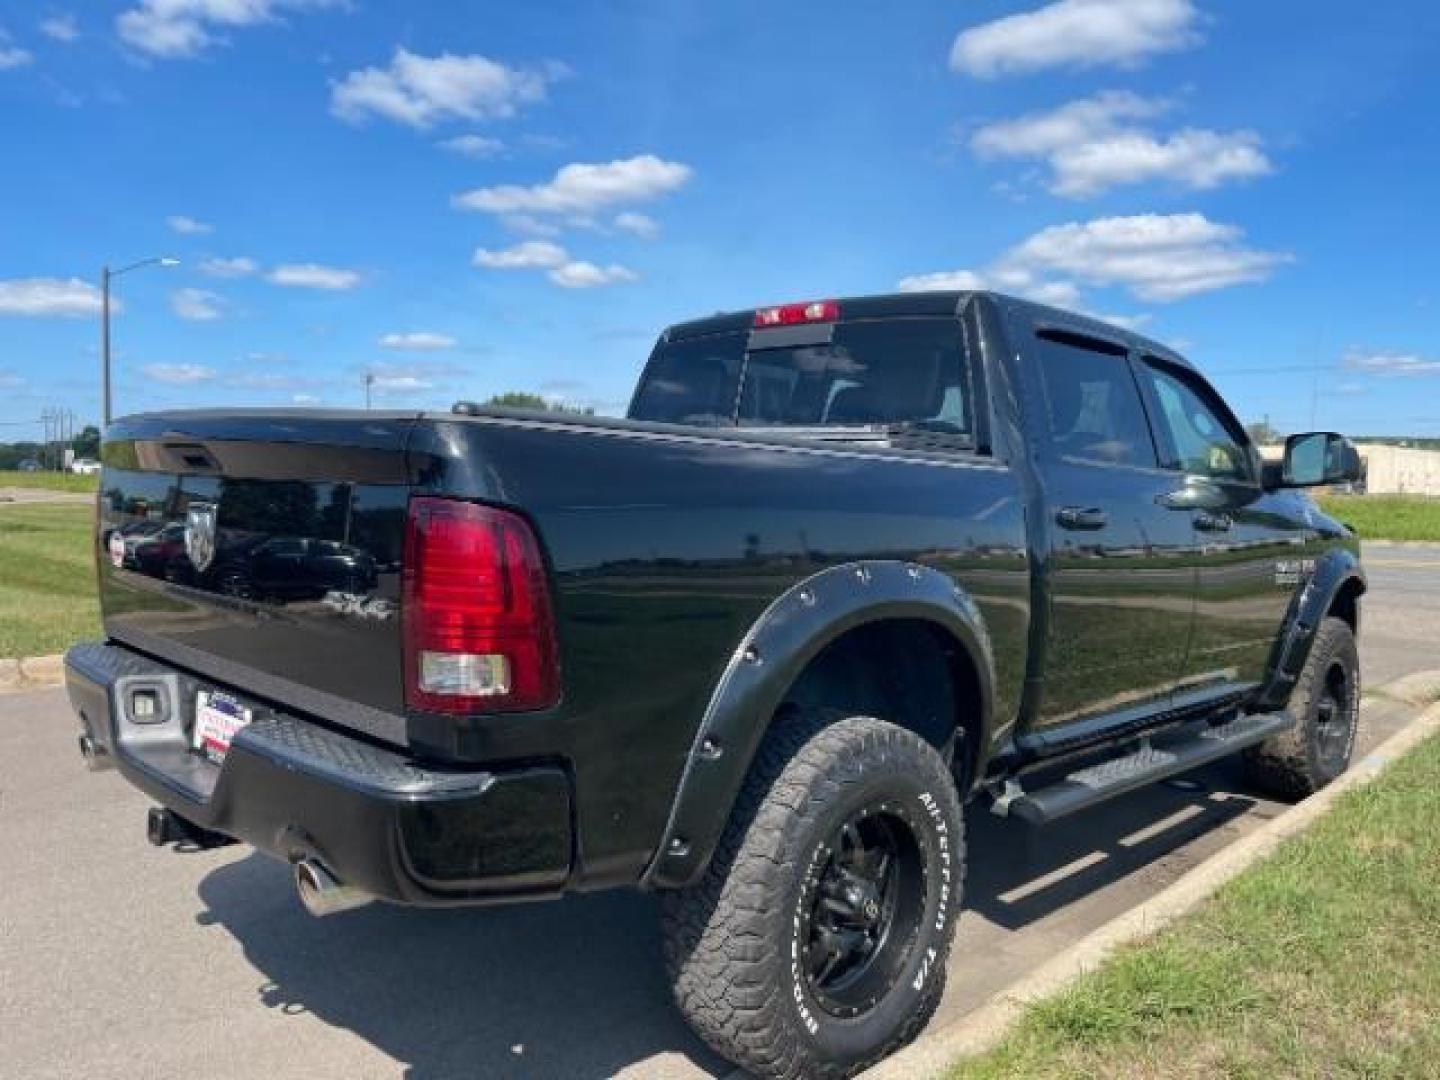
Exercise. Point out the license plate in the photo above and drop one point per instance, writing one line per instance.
(217, 719)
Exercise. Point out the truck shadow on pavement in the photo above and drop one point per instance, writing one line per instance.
(1034, 873)
(572, 987)
(576, 987)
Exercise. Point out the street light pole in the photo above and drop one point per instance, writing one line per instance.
(105, 275)
(104, 347)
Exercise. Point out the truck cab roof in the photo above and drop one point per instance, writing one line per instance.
(940, 304)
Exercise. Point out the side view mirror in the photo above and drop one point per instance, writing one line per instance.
(1317, 458)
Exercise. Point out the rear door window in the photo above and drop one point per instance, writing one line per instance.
(1093, 406)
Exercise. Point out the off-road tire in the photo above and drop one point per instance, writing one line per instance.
(734, 942)
(1304, 759)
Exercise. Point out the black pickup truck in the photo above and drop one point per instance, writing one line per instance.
(846, 565)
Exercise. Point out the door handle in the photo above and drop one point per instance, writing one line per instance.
(1208, 522)
(1081, 517)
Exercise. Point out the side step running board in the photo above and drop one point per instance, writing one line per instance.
(1146, 765)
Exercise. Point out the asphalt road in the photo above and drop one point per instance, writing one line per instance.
(118, 960)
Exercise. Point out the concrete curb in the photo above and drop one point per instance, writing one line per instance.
(32, 672)
(982, 1029)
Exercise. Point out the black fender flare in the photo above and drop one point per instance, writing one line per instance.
(790, 633)
(1337, 569)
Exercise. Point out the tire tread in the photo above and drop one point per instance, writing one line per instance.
(718, 933)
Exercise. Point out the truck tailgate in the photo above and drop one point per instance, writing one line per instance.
(263, 550)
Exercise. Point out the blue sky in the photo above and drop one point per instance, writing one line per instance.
(466, 198)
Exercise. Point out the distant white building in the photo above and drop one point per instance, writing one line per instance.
(1400, 470)
(1390, 470)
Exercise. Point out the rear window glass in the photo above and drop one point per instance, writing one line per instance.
(871, 373)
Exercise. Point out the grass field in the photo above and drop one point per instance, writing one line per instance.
(49, 481)
(1323, 961)
(1387, 517)
(47, 578)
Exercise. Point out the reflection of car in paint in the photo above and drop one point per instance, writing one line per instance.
(844, 566)
(293, 568)
(132, 534)
(156, 552)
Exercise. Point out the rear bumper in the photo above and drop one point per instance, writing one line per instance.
(399, 830)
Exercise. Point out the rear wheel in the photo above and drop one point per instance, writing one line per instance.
(1326, 704)
(816, 942)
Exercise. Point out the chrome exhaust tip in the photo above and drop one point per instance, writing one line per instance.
(96, 759)
(322, 893)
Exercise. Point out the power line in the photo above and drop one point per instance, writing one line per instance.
(1310, 368)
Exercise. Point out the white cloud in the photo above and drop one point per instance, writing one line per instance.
(530, 225)
(1127, 322)
(238, 267)
(313, 276)
(62, 297)
(1076, 34)
(305, 399)
(60, 28)
(418, 341)
(1392, 363)
(171, 29)
(586, 275)
(531, 255)
(12, 56)
(1194, 158)
(556, 261)
(641, 225)
(188, 226)
(402, 384)
(178, 374)
(943, 281)
(195, 305)
(1092, 145)
(579, 190)
(1156, 257)
(421, 90)
(473, 146)
(1059, 293)
(385, 378)
(1040, 134)
(271, 380)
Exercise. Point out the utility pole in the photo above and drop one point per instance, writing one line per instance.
(369, 382)
(105, 275)
(104, 347)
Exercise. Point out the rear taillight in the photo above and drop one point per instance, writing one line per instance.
(479, 634)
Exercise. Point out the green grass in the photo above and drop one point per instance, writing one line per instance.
(47, 578)
(1323, 961)
(48, 481)
(1387, 517)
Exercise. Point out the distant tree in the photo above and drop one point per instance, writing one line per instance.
(1262, 434)
(519, 399)
(523, 399)
(11, 454)
(87, 443)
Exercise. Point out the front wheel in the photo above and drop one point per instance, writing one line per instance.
(817, 939)
(1326, 704)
